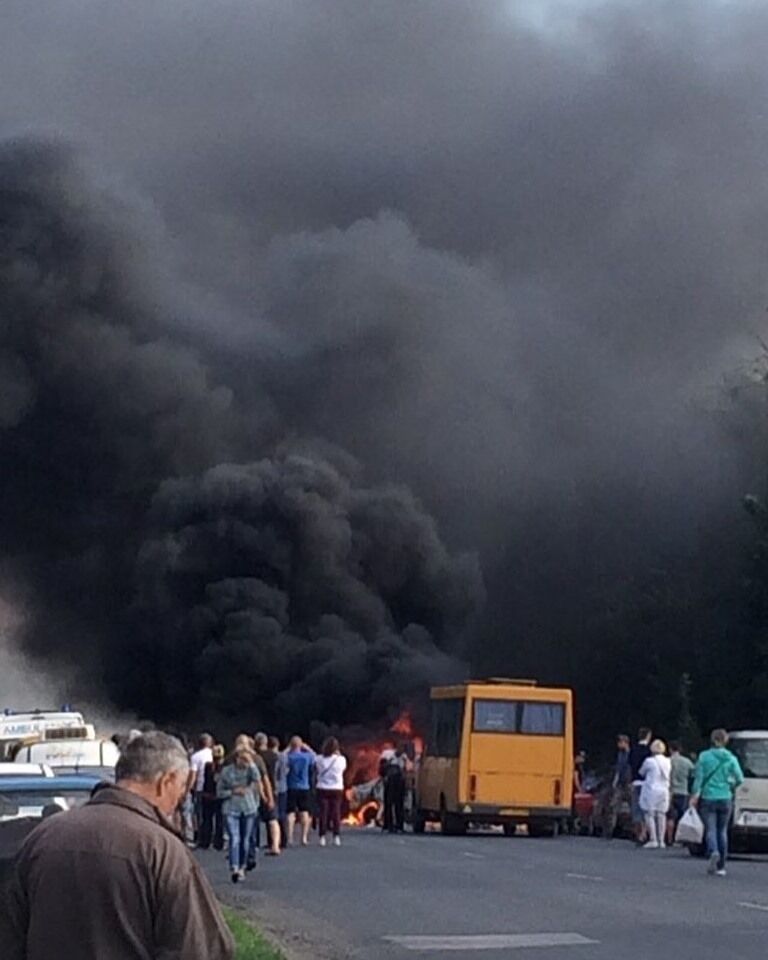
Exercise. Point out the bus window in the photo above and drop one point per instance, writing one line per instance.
(447, 721)
(495, 716)
(546, 719)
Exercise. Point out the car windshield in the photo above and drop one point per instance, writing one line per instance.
(752, 755)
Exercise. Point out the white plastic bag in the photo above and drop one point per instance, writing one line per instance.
(690, 827)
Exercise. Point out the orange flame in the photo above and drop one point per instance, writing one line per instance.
(363, 816)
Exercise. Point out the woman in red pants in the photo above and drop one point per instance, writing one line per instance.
(329, 769)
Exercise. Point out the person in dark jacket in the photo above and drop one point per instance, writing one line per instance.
(392, 767)
(112, 879)
(212, 826)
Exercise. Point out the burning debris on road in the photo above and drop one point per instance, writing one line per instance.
(364, 794)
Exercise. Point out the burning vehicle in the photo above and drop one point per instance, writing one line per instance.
(364, 799)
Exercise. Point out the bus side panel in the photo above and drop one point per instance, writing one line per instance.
(438, 778)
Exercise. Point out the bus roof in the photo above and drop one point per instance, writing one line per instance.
(501, 687)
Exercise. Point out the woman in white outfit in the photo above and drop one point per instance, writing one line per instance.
(656, 772)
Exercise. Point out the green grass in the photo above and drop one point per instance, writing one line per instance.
(250, 943)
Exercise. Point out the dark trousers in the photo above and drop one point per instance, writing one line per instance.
(329, 802)
(394, 803)
(211, 824)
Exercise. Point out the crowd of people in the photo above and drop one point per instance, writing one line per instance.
(662, 783)
(231, 796)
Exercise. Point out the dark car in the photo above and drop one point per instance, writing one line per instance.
(28, 796)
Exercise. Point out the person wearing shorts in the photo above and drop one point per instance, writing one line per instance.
(268, 814)
(300, 762)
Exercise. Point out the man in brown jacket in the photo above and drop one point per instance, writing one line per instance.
(112, 880)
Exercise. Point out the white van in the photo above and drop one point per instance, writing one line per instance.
(750, 807)
(76, 756)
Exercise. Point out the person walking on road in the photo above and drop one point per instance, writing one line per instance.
(329, 769)
(655, 794)
(240, 787)
(682, 774)
(717, 774)
(113, 879)
(300, 762)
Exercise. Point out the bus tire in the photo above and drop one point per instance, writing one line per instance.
(544, 828)
(510, 829)
(452, 825)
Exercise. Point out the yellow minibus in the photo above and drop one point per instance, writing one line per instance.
(499, 751)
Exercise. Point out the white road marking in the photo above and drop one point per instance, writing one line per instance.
(493, 941)
(754, 906)
(584, 876)
(473, 856)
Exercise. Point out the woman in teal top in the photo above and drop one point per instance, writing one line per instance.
(239, 788)
(716, 776)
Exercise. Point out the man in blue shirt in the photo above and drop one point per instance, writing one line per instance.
(299, 761)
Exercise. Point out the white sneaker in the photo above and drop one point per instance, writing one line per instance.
(337, 841)
(651, 845)
(721, 873)
(322, 841)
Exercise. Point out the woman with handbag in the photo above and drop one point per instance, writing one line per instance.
(717, 775)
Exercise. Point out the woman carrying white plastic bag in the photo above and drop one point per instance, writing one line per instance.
(655, 794)
(690, 828)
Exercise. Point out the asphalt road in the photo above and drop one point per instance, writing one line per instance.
(555, 899)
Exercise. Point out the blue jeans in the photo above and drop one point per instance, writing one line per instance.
(716, 815)
(239, 830)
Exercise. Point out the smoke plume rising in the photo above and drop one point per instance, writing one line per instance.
(147, 552)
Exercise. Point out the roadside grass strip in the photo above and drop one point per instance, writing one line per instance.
(492, 941)
(251, 945)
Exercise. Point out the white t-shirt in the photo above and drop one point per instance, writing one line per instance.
(197, 762)
(330, 772)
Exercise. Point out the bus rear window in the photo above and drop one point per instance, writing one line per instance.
(531, 717)
(546, 719)
(496, 716)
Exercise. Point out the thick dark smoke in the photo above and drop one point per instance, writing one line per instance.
(507, 253)
(281, 588)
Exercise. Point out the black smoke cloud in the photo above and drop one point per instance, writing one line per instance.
(144, 547)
